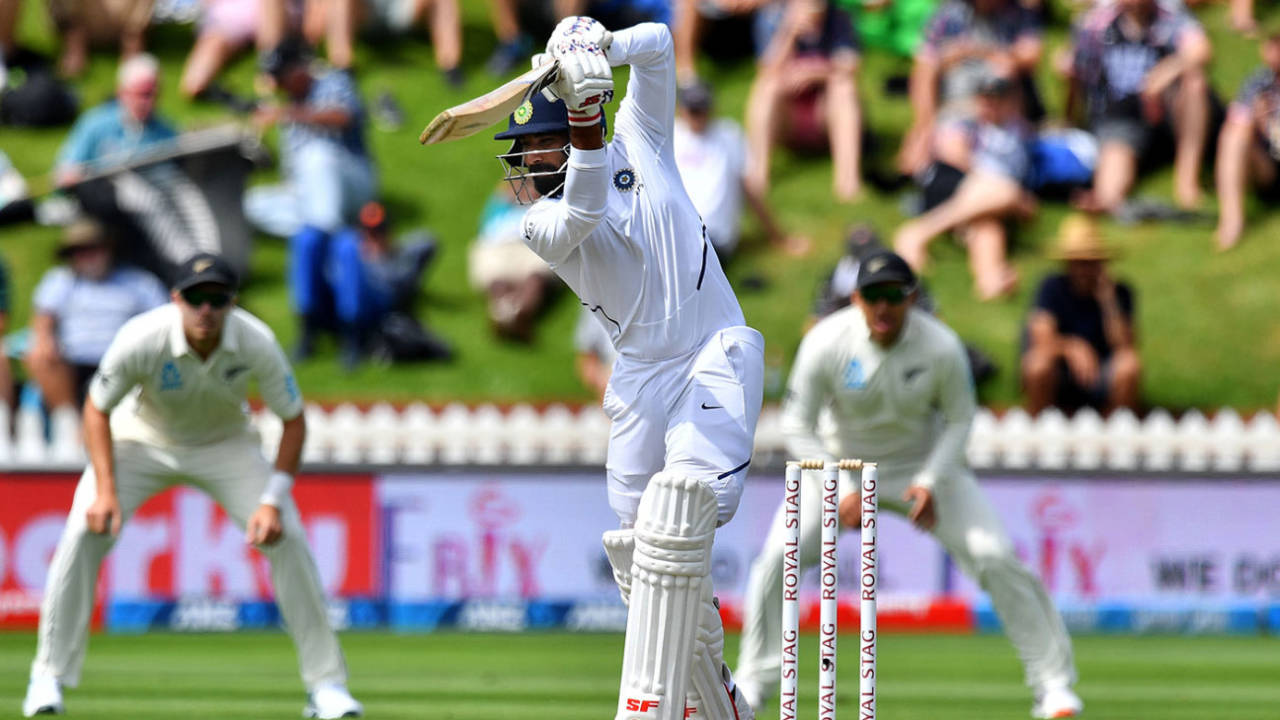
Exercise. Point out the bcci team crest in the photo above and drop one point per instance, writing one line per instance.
(524, 113)
(624, 179)
(854, 377)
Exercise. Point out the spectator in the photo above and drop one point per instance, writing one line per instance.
(805, 93)
(690, 18)
(6, 374)
(514, 44)
(226, 27)
(1249, 145)
(82, 23)
(1139, 68)
(1079, 342)
(118, 129)
(965, 41)
(336, 22)
(103, 163)
(514, 279)
(328, 173)
(370, 278)
(78, 307)
(712, 158)
(593, 353)
(988, 157)
(616, 13)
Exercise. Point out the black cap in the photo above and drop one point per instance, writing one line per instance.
(290, 52)
(695, 96)
(205, 268)
(883, 266)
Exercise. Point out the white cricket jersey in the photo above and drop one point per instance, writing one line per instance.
(625, 236)
(162, 392)
(712, 164)
(908, 407)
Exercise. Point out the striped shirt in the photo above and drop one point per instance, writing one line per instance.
(333, 90)
(1112, 64)
(89, 312)
(957, 20)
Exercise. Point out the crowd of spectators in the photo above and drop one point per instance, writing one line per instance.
(982, 151)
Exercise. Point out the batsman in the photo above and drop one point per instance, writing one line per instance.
(614, 222)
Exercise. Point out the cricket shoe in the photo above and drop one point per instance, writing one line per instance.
(331, 701)
(1057, 701)
(44, 697)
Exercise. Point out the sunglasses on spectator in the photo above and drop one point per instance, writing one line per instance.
(197, 298)
(892, 294)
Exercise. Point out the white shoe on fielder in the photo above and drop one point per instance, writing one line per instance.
(44, 697)
(1057, 701)
(328, 702)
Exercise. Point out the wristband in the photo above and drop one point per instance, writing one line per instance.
(279, 485)
(587, 118)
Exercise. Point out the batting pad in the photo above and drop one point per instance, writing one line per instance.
(675, 527)
(708, 694)
(620, 547)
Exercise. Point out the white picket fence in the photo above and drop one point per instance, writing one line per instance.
(562, 435)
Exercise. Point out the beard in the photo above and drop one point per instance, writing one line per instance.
(550, 182)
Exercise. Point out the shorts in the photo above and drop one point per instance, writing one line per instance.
(234, 20)
(499, 262)
(1071, 395)
(694, 415)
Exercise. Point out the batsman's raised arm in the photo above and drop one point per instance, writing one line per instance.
(648, 111)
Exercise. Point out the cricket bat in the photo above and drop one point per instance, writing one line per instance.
(494, 106)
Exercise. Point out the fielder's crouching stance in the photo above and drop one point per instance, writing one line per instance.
(615, 223)
(176, 378)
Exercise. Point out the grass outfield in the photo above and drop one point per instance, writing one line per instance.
(571, 677)
(1206, 321)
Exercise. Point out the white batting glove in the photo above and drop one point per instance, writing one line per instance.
(585, 30)
(585, 84)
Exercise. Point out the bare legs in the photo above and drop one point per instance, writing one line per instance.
(979, 206)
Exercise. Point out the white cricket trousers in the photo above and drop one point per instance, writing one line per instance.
(233, 472)
(969, 529)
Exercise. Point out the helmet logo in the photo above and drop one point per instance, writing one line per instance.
(524, 113)
(624, 179)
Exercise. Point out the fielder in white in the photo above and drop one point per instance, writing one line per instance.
(167, 407)
(896, 386)
(616, 225)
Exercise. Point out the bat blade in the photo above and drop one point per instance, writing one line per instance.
(474, 115)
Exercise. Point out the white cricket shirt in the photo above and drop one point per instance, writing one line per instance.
(162, 392)
(625, 236)
(712, 164)
(907, 408)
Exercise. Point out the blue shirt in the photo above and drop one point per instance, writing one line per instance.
(333, 90)
(89, 312)
(103, 133)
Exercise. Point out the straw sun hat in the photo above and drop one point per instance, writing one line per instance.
(1080, 239)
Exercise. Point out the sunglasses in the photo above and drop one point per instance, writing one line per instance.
(197, 298)
(890, 293)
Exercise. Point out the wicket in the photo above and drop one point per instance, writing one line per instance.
(828, 622)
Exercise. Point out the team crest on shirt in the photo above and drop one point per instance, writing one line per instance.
(624, 179)
(170, 378)
(854, 376)
(523, 114)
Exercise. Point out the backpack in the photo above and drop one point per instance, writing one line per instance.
(34, 96)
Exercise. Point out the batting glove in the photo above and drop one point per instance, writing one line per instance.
(583, 29)
(585, 84)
